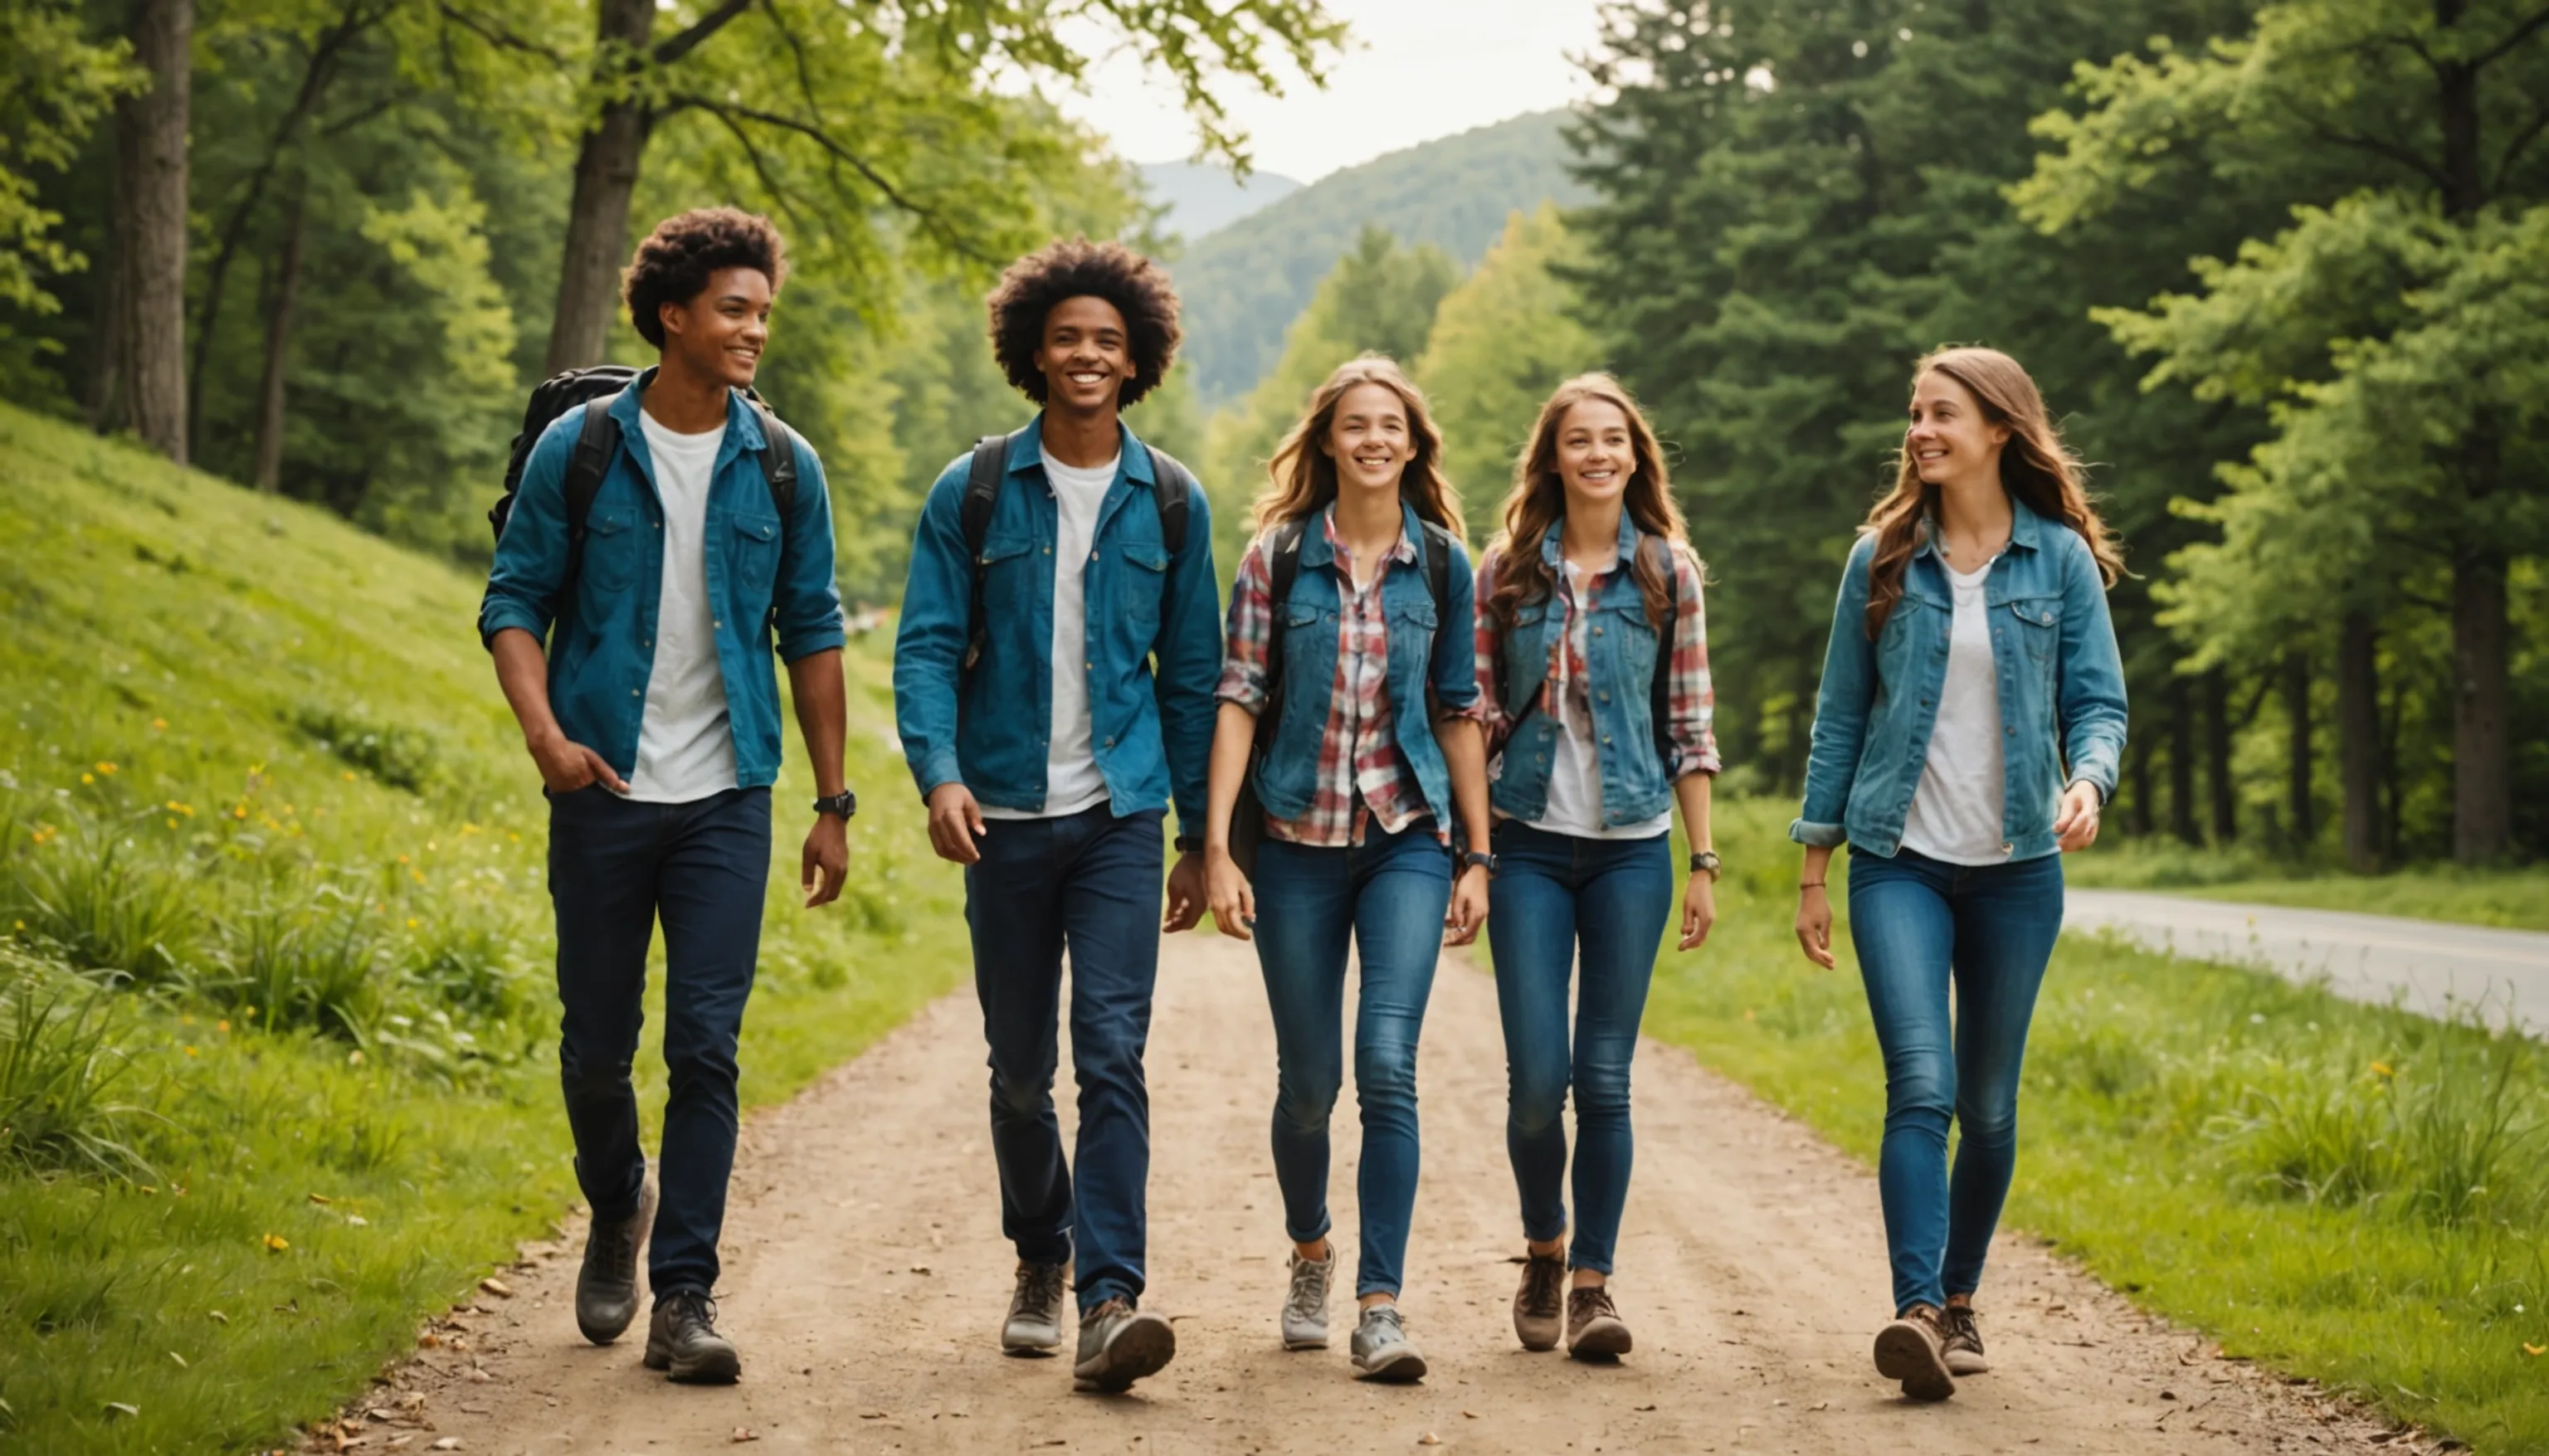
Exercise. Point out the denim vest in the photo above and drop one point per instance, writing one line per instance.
(2061, 687)
(1288, 775)
(1620, 665)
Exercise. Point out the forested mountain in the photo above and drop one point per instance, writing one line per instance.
(1198, 199)
(1244, 284)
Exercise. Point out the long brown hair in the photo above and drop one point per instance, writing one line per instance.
(2036, 467)
(1538, 502)
(1301, 479)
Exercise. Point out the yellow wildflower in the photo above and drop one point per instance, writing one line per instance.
(276, 1243)
(159, 724)
(105, 768)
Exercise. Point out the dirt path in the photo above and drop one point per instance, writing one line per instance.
(866, 1278)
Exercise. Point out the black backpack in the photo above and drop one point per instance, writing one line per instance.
(1282, 568)
(1170, 487)
(598, 387)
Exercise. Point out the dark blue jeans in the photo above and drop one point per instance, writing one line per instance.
(1386, 897)
(1088, 882)
(1920, 924)
(1556, 898)
(615, 868)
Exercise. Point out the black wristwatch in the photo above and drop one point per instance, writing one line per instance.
(840, 805)
(1704, 859)
(1481, 858)
(1190, 844)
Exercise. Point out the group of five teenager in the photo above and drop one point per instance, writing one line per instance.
(1375, 754)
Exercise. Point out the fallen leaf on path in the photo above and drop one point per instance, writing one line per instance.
(448, 1443)
(1820, 1406)
(1429, 1439)
(497, 1287)
(920, 1268)
(743, 1434)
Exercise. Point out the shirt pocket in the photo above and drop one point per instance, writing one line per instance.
(755, 556)
(1005, 567)
(1145, 581)
(2039, 624)
(610, 554)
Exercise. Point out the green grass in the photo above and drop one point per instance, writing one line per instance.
(2349, 1192)
(2514, 898)
(277, 1074)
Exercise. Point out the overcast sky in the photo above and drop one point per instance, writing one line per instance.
(1414, 70)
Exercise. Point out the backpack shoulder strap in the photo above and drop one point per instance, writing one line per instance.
(1448, 635)
(1171, 487)
(982, 476)
(595, 445)
(1660, 692)
(778, 460)
(1282, 569)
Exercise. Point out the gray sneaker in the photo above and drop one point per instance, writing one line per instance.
(1963, 1345)
(1305, 1304)
(1034, 1325)
(1119, 1344)
(1539, 1307)
(606, 1288)
(1382, 1350)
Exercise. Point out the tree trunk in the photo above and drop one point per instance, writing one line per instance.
(148, 390)
(2181, 760)
(2482, 710)
(2296, 751)
(278, 349)
(2217, 758)
(606, 177)
(2358, 740)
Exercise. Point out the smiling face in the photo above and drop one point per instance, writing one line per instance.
(1369, 438)
(1596, 452)
(722, 333)
(1087, 358)
(1950, 440)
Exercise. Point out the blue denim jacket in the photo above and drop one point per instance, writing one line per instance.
(1619, 665)
(1288, 775)
(986, 727)
(2061, 691)
(768, 580)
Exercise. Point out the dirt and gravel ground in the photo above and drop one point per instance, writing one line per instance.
(865, 1280)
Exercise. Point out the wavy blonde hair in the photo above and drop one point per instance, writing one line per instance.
(2036, 467)
(1538, 502)
(1301, 479)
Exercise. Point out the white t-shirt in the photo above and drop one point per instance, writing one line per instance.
(1956, 812)
(1071, 782)
(684, 748)
(1575, 770)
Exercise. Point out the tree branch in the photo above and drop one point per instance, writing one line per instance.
(496, 34)
(2519, 34)
(674, 48)
(732, 114)
(2373, 144)
(2521, 143)
(778, 191)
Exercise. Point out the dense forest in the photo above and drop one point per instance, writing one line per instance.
(2280, 269)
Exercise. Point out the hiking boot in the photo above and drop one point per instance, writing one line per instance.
(1594, 1328)
(1912, 1350)
(1382, 1349)
(605, 1289)
(683, 1341)
(1540, 1306)
(1963, 1345)
(1305, 1304)
(1119, 1344)
(1034, 1325)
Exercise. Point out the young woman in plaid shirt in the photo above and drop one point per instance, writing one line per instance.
(1592, 661)
(1370, 761)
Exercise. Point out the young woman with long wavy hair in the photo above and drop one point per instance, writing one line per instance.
(1348, 635)
(1968, 730)
(1592, 657)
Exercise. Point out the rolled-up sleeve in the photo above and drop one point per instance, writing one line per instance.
(807, 608)
(1251, 623)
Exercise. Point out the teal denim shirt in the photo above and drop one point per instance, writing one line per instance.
(1288, 776)
(769, 581)
(1619, 665)
(987, 727)
(2061, 691)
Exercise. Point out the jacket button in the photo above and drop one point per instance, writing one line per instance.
(2007, 849)
(1597, 631)
(1606, 698)
(637, 692)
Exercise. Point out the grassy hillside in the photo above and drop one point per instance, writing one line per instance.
(276, 1040)
(1244, 284)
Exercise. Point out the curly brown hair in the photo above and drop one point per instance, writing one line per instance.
(673, 265)
(1073, 268)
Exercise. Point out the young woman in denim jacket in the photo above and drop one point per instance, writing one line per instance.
(1592, 654)
(1374, 749)
(1969, 727)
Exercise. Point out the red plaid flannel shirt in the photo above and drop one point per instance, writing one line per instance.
(1690, 700)
(1361, 776)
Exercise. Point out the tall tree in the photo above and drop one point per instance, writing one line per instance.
(55, 85)
(145, 377)
(860, 109)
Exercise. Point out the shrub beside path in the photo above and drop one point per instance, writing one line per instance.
(866, 1278)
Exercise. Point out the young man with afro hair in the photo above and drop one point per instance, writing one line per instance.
(633, 636)
(1049, 749)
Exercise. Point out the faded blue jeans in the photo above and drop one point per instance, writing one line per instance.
(1560, 899)
(1920, 924)
(1386, 896)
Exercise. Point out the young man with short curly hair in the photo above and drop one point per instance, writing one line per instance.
(1051, 569)
(654, 715)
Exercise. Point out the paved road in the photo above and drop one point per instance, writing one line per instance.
(2434, 966)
